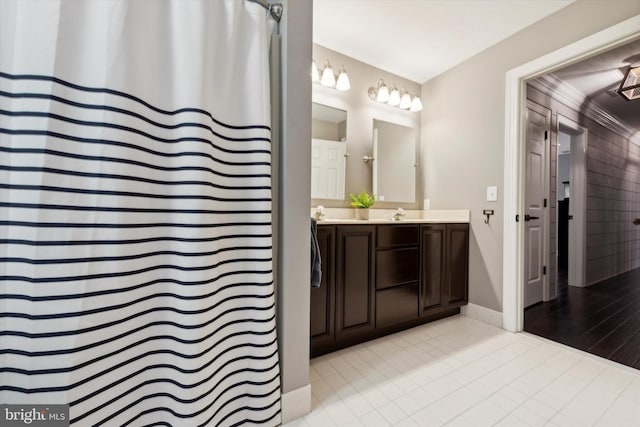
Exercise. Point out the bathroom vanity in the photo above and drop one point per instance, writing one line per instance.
(383, 276)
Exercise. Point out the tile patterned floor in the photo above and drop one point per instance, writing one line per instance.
(461, 372)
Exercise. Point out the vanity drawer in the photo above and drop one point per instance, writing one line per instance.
(397, 235)
(397, 266)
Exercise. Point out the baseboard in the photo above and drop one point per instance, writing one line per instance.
(296, 403)
(483, 314)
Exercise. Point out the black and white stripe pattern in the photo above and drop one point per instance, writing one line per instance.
(135, 259)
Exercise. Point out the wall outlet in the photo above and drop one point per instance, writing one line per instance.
(426, 204)
(492, 194)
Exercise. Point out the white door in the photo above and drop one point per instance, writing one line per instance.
(327, 169)
(537, 137)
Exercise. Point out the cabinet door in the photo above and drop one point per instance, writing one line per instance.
(355, 317)
(432, 278)
(323, 298)
(457, 264)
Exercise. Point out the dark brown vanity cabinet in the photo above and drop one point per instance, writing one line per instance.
(397, 274)
(323, 298)
(444, 259)
(377, 279)
(354, 306)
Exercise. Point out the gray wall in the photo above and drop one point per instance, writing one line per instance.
(360, 114)
(463, 129)
(327, 130)
(293, 263)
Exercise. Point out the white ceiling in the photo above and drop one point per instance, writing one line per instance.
(419, 39)
(597, 78)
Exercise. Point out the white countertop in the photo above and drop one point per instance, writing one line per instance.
(385, 216)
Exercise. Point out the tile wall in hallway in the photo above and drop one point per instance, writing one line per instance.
(460, 372)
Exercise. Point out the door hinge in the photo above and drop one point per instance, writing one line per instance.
(545, 203)
(546, 135)
(544, 269)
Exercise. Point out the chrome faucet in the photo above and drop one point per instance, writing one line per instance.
(319, 213)
(399, 214)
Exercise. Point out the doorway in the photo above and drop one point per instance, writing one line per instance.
(513, 231)
(571, 211)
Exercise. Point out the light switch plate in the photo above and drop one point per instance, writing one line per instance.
(492, 194)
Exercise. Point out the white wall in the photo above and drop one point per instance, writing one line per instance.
(463, 129)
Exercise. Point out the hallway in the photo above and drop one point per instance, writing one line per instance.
(603, 319)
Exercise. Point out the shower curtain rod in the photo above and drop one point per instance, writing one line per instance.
(275, 9)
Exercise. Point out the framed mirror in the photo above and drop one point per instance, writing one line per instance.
(394, 167)
(328, 152)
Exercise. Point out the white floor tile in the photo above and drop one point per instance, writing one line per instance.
(374, 419)
(622, 413)
(589, 405)
(407, 422)
(447, 408)
(408, 404)
(614, 380)
(563, 420)
(633, 390)
(529, 416)
(460, 421)
(375, 397)
(484, 414)
(459, 372)
(392, 413)
(512, 421)
(425, 418)
(358, 405)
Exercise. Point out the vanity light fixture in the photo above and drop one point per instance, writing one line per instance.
(343, 80)
(394, 97)
(416, 104)
(630, 84)
(315, 75)
(327, 78)
(405, 102)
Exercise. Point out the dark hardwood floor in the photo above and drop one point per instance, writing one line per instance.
(603, 319)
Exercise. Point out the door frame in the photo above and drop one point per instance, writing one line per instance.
(578, 181)
(514, 171)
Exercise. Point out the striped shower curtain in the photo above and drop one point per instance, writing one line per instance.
(136, 279)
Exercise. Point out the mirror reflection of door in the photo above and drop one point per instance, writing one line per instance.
(537, 143)
(328, 152)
